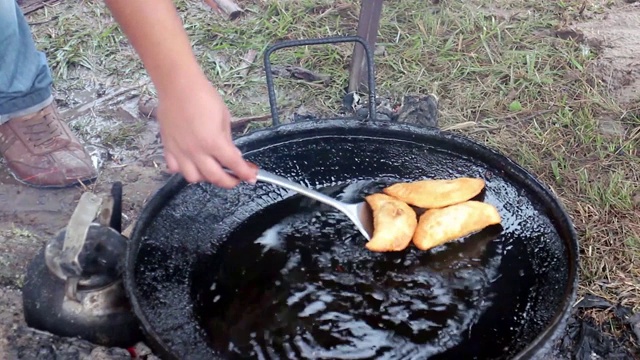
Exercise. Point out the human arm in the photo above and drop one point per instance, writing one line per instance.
(194, 121)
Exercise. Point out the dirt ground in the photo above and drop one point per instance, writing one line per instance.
(34, 217)
(102, 108)
(616, 32)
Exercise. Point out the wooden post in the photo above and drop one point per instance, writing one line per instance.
(368, 25)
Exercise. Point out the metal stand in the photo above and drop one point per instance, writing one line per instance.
(369, 69)
(368, 25)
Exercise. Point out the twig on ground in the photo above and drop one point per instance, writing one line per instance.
(300, 73)
(29, 6)
(229, 7)
(239, 123)
(86, 107)
(148, 107)
(212, 4)
(460, 126)
(44, 21)
(528, 117)
(248, 60)
(538, 113)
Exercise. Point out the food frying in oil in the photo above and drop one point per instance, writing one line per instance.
(433, 194)
(394, 223)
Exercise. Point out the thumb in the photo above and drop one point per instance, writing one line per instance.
(172, 163)
(234, 161)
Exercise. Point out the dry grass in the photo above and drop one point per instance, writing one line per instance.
(495, 64)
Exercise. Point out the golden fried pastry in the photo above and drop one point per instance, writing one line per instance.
(439, 226)
(434, 194)
(394, 223)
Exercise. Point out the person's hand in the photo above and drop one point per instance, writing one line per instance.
(195, 126)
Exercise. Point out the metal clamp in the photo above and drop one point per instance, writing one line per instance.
(331, 40)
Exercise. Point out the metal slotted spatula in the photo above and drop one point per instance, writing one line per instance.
(359, 213)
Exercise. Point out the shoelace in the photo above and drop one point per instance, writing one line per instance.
(41, 131)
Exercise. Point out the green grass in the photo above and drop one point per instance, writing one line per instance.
(21, 232)
(500, 72)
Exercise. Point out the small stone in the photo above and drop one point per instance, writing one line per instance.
(102, 353)
(362, 113)
(382, 117)
(612, 127)
(380, 50)
(636, 199)
(570, 34)
(634, 322)
(131, 177)
(143, 351)
(420, 110)
(99, 154)
(154, 160)
(148, 107)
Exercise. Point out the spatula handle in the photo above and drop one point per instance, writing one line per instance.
(277, 180)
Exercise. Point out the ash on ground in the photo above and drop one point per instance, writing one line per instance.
(600, 330)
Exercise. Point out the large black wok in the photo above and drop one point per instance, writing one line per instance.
(258, 272)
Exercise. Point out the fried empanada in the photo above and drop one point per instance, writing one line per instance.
(394, 223)
(439, 226)
(434, 194)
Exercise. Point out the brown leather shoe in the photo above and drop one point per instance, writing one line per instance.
(41, 151)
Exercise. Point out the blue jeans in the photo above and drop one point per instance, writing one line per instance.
(25, 78)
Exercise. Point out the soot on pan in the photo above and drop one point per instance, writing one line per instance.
(296, 282)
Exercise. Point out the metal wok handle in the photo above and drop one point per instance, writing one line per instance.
(331, 40)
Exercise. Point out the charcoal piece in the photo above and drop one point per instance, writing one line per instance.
(584, 339)
(419, 110)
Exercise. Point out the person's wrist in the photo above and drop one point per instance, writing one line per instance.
(180, 83)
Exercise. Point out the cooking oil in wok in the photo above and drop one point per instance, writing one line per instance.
(296, 282)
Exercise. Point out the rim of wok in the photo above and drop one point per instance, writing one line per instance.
(272, 136)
